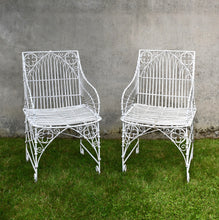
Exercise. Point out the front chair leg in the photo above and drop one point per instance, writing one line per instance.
(26, 154)
(81, 147)
(124, 167)
(137, 148)
(98, 154)
(35, 162)
(189, 150)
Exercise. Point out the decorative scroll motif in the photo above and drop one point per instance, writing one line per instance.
(146, 57)
(177, 135)
(181, 137)
(44, 136)
(185, 58)
(92, 135)
(70, 57)
(37, 140)
(132, 132)
(188, 60)
(90, 132)
(31, 60)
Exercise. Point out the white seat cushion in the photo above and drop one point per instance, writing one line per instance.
(159, 116)
(61, 117)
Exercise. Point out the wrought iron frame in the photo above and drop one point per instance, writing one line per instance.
(181, 136)
(38, 138)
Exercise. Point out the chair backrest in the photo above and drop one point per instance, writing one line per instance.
(51, 79)
(166, 78)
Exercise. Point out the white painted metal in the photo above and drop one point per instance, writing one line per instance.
(58, 98)
(160, 97)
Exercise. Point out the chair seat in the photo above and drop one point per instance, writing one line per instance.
(61, 117)
(158, 116)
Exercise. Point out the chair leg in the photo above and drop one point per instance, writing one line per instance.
(31, 148)
(81, 148)
(98, 158)
(124, 167)
(35, 157)
(26, 146)
(189, 150)
(98, 150)
(137, 148)
(26, 141)
(26, 153)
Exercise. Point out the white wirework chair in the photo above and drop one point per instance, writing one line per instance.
(58, 99)
(160, 97)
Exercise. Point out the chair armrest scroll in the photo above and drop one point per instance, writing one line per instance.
(89, 94)
(129, 95)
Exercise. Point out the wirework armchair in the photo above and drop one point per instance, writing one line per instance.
(58, 99)
(160, 97)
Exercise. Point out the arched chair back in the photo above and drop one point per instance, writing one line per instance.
(51, 79)
(166, 78)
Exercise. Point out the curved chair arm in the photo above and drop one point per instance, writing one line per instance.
(88, 93)
(191, 101)
(129, 95)
(28, 100)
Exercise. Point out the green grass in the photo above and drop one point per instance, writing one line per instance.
(154, 186)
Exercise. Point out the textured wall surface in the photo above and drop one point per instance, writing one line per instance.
(108, 35)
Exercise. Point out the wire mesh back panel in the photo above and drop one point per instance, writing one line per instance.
(166, 78)
(52, 79)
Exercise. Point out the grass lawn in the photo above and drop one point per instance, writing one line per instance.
(154, 186)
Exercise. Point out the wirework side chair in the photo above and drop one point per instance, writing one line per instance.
(58, 99)
(160, 97)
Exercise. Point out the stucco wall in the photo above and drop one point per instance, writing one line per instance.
(108, 35)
